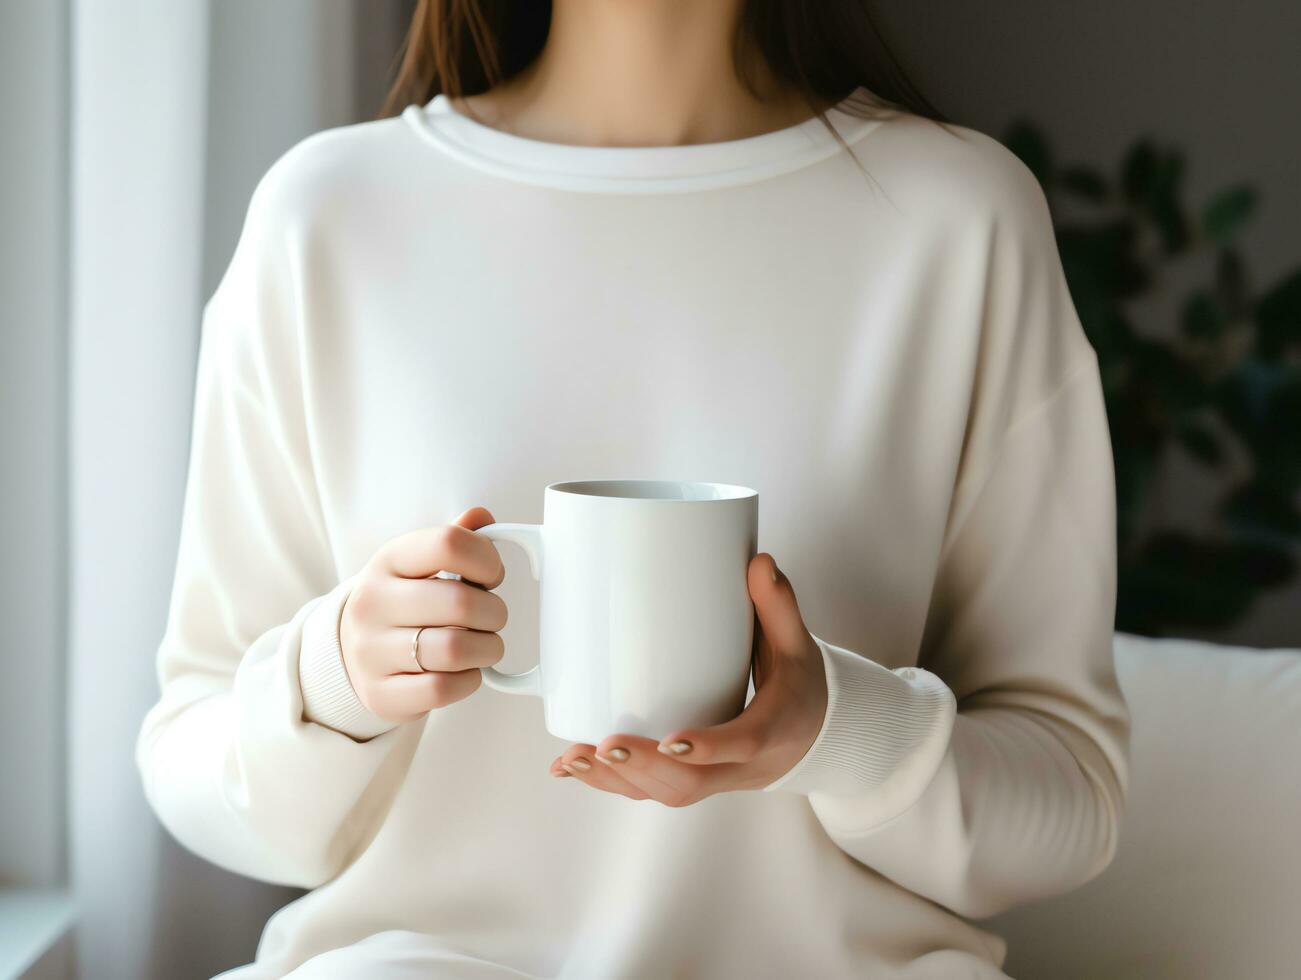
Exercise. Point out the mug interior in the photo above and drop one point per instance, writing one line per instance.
(653, 490)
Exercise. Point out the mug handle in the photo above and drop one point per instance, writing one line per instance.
(528, 537)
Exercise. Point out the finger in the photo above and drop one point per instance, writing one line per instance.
(433, 602)
(403, 697)
(475, 518)
(775, 606)
(580, 762)
(664, 779)
(447, 648)
(740, 740)
(450, 548)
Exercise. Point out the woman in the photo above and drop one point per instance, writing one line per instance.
(624, 239)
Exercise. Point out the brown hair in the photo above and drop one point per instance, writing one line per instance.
(826, 50)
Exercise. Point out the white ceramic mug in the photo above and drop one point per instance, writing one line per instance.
(645, 616)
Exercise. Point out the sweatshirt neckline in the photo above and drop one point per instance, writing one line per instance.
(635, 169)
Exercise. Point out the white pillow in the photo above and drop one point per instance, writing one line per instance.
(1207, 879)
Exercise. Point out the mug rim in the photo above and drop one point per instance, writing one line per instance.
(729, 492)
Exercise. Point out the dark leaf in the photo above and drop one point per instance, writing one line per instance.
(1280, 432)
(1240, 398)
(1178, 580)
(1278, 315)
(1086, 183)
(1137, 170)
(1027, 142)
(1200, 443)
(1133, 478)
(1261, 401)
(1100, 261)
(1231, 283)
(1255, 510)
(1168, 382)
(1227, 212)
(1202, 317)
(1110, 334)
(1164, 205)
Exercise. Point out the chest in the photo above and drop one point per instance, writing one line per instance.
(808, 362)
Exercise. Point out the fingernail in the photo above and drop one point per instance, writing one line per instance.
(615, 755)
(676, 748)
(569, 769)
(776, 575)
(582, 765)
(562, 773)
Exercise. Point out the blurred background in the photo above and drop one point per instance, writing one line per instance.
(133, 134)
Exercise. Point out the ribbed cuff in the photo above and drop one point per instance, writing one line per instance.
(884, 731)
(328, 695)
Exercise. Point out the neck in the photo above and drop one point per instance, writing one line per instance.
(649, 73)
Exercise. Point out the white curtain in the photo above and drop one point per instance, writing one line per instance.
(178, 106)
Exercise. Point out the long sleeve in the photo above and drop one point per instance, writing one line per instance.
(230, 761)
(995, 771)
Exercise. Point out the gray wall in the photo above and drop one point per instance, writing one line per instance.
(1220, 80)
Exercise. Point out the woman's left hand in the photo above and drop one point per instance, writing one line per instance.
(752, 750)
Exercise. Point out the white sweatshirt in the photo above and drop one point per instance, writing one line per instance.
(424, 314)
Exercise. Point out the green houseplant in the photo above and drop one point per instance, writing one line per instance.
(1221, 384)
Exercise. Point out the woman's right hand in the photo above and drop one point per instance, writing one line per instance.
(394, 595)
